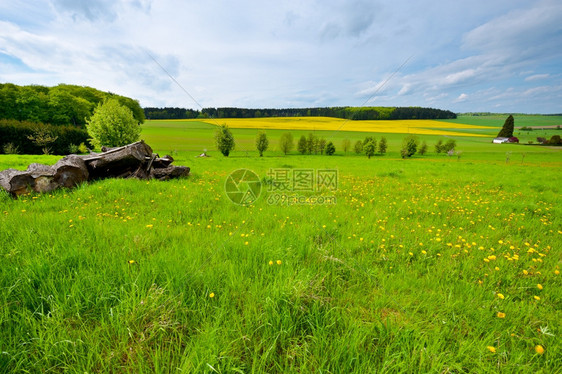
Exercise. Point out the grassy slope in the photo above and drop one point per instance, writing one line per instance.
(354, 291)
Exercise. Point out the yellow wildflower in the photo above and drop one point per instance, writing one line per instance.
(491, 349)
(500, 296)
(501, 315)
(539, 349)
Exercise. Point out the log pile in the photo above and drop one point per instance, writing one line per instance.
(135, 160)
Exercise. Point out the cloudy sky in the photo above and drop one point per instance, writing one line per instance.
(491, 55)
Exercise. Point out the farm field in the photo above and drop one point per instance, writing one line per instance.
(432, 264)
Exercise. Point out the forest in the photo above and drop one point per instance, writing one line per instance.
(352, 113)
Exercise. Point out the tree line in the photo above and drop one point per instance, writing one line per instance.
(351, 113)
(59, 105)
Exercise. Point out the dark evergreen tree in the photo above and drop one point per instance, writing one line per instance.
(507, 129)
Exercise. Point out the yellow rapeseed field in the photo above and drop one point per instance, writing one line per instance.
(424, 127)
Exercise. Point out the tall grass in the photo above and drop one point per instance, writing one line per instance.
(403, 274)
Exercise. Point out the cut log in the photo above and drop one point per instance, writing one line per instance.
(171, 172)
(118, 161)
(163, 162)
(16, 182)
(70, 171)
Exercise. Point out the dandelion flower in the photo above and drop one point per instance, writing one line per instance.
(211, 295)
(539, 286)
(500, 296)
(525, 272)
(501, 315)
(270, 262)
(539, 349)
(131, 262)
(556, 272)
(536, 297)
(497, 268)
(279, 262)
(491, 349)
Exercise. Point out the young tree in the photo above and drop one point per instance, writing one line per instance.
(346, 145)
(311, 143)
(423, 148)
(367, 139)
(112, 125)
(409, 146)
(507, 129)
(330, 148)
(262, 143)
(225, 140)
(286, 142)
(382, 146)
(42, 137)
(369, 148)
(358, 147)
(321, 145)
(449, 146)
(439, 146)
(302, 145)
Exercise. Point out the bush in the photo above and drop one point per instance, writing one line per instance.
(82, 148)
(358, 147)
(10, 149)
(302, 145)
(439, 146)
(423, 149)
(449, 146)
(409, 146)
(330, 148)
(286, 142)
(112, 125)
(555, 140)
(224, 140)
(73, 149)
(382, 146)
(369, 148)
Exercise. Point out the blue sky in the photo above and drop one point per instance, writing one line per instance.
(498, 56)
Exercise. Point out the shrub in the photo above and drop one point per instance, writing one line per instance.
(555, 140)
(112, 125)
(82, 148)
(409, 146)
(382, 146)
(346, 145)
(358, 147)
(286, 142)
(302, 145)
(10, 149)
(449, 146)
(225, 140)
(330, 148)
(369, 148)
(73, 149)
(439, 146)
(423, 148)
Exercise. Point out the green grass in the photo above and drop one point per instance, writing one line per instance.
(398, 276)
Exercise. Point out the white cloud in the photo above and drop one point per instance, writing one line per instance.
(536, 77)
(462, 97)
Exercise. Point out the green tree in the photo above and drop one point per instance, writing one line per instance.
(330, 148)
(369, 148)
(358, 147)
(507, 129)
(423, 148)
(346, 145)
(225, 140)
(448, 146)
(286, 142)
(311, 144)
(112, 125)
(409, 146)
(383, 146)
(302, 145)
(262, 143)
(42, 137)
(439, 146)
(321, 145)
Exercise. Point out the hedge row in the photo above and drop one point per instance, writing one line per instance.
(17, 134)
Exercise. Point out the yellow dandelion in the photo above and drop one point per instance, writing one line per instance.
(536, 297)
(130, 262)
(410, 253)
(539, 286)
(525, 272)
(539, 349)
(424, 252)
(279, 262)
(149, 226)
(211, 295)
(556, 272)
(501, 296)
(491, 349)
(270, 263)
(500, 315)
(497, 268)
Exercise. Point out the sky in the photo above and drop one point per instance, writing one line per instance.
(502, 56)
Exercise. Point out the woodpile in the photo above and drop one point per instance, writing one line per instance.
(135, 160)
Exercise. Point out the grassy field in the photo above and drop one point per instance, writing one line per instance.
(432, 264)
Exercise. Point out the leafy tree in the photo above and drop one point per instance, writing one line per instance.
(112, 125)
(409, 146)
(507, 129)
(369, 148)
(423, 148)
(302, 145)
(311, 143)
(367, 139)
(439, 146)
(262, 143)
(382, 146)
(330, 148)
(358, 147)
(321, 145)
(346, 145)
(449, 146)
(225, 140)
(286, 142)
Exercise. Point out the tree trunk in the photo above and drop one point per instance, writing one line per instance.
(117, 161)
(171, 172)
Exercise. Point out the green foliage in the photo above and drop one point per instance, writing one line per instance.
(18, 133)
(224, 140)
(423, 148)
(346, 145)
(112, 125)
(383, 146)
(409, 146)
(507, 129)
(321, 145)
(369, 148)
(82, 148)
(302, 145)
(330, 148)
(286, 143)
(311, 143)
(43, 138)
(262, 143)
(358, 147)
(10, 149)
(439, 146)
(60, 105)
(555, 140)
(449, 146)
(73, 149)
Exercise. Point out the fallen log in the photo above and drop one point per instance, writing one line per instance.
(135, 160)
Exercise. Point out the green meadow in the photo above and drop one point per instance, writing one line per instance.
(435, 264)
